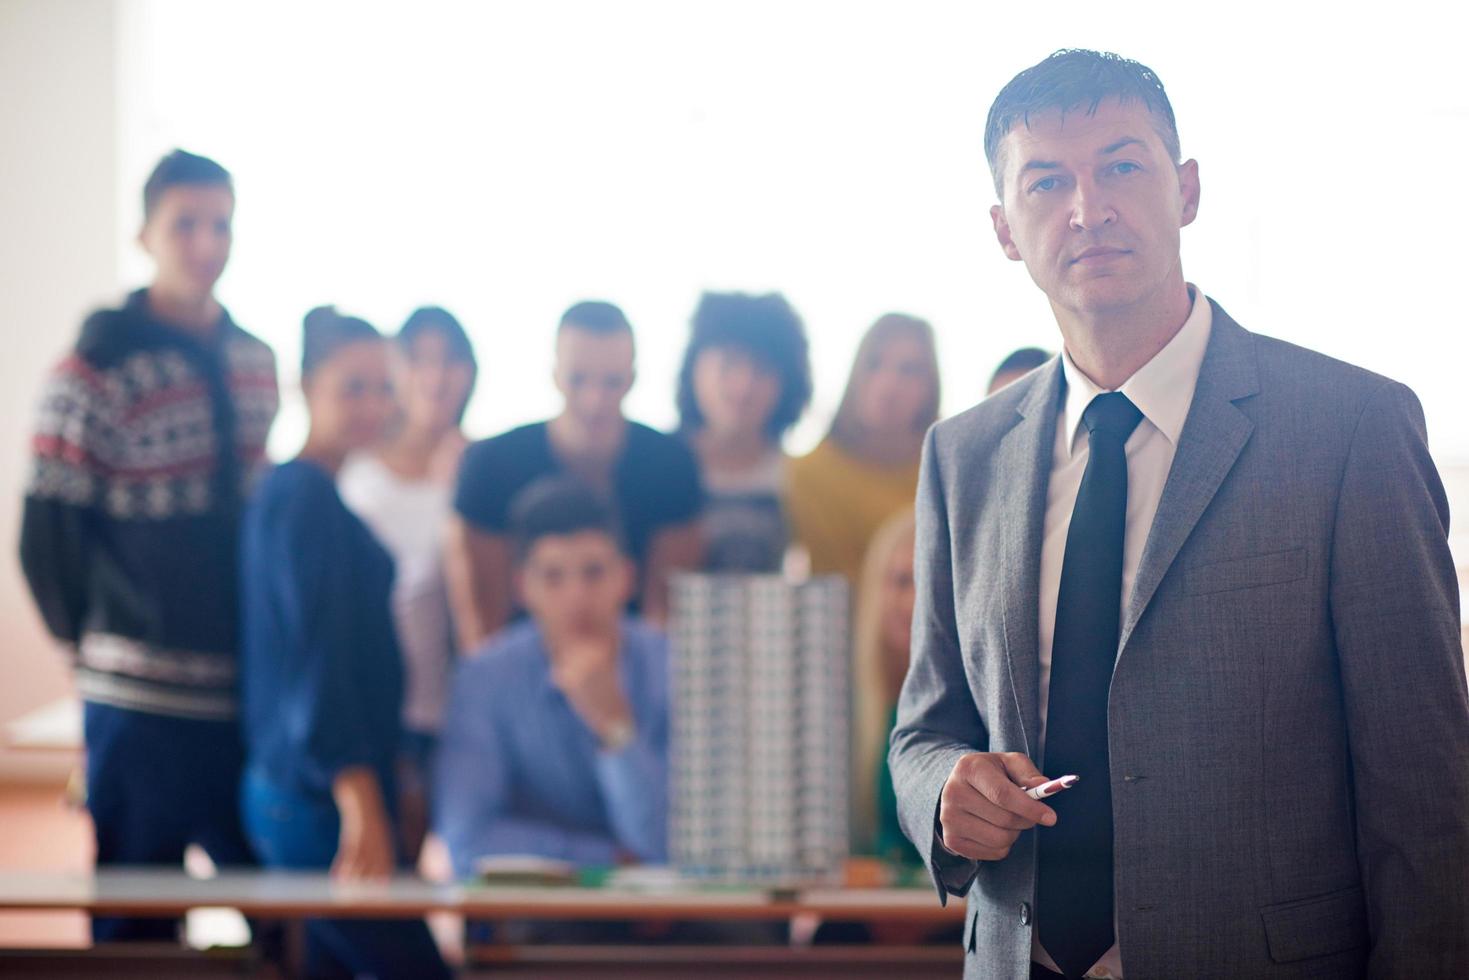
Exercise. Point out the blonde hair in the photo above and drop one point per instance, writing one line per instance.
(845, 428)
(871, 703)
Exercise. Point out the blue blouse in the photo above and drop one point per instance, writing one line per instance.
(320, 672)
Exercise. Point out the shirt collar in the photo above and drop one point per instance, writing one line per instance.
(1162, 389)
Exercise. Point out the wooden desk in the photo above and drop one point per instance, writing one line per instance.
(293, 895)
(285, 895)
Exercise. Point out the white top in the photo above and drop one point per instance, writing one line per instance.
(1163, 390)
(408, 517)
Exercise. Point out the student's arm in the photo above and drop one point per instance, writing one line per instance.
(634, 783)
(673, 549)
(631, 723)
(479, 568)
(70, 456)
(365, 838)
(304, 559)
(1395, 615)
(473, 781)
(634, 778)
(678, 544)
(478, 557)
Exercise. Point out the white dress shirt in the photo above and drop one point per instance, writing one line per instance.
(1163, 390)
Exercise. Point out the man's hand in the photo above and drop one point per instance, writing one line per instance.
(586, 672)
(983, 807)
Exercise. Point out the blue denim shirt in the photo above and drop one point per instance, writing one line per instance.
(519, 772)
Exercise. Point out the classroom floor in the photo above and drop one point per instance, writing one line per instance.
(42, 833)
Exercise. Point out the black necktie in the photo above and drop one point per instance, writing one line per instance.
(1074, 882)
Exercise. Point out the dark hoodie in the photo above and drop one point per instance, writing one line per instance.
(146, 442)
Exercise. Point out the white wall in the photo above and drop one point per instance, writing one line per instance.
(58, 259)
(504, 159)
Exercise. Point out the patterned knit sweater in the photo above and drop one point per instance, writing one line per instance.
(145, 446)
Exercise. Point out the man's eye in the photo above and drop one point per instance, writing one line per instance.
(1125, 167)
(1046, 184)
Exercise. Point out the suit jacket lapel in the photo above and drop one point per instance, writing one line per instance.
(1023, 458)
(1213, 436)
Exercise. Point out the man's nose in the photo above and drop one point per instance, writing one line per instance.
(1091, 207)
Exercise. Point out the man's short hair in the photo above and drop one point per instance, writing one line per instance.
(1022, 361)
(556, 506)
(1076, 78)
(181, 168)
(594, 316)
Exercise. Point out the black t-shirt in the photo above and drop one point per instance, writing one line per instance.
(655, 481)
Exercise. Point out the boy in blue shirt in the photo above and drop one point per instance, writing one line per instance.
(556, 740)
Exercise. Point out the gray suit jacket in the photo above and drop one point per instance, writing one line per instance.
(1288, 719)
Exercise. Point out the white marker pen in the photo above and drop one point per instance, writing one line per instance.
(1052, 787)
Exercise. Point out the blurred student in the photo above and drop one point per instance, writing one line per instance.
(1015, 366)
(149, 433)
(745, 380)
(556, 740)
(402, 490)
(883, 625)
(322, 678)
(866, 469)
(650, 480)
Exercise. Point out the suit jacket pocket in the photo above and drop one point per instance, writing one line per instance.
(1316, 926)
(1273, 568)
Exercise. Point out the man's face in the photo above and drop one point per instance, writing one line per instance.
(575, 585)
(594, 372)
(1093, 205)
(188, 236)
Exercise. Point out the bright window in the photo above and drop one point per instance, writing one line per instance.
(506, 160)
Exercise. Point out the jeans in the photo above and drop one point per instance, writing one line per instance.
(298, 830)
(156, 784)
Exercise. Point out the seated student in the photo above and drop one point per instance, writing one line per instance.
(402, 491)
(650, 479)
(746, 379)
(321, 676)
(1015, 366)
(866, 469)
(556, 739)
(883, 624)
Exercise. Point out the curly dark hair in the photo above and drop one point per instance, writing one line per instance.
(770, 331)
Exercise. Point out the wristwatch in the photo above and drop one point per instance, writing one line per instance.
(618, 737)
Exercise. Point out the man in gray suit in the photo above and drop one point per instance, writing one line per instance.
(1203, 570)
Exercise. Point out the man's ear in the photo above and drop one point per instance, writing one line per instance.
(1188, 188)
(1002, 233)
